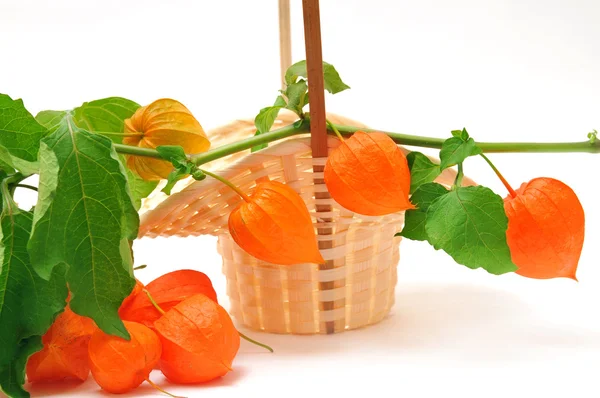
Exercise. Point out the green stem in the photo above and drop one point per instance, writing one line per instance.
(160, 389)
(26, 186)
(137, 151)
(7, 187)
(459, 177)
(500, 176)
(302, 127)
(154, 303)
(489, 147)
(139, 267)
(242, 335)
(335, 130)
(113, 133)
(228, 183)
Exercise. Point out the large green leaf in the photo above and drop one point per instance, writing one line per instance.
(138, 187)
(422, 170)
(28, 303)
(414, 220)
(470, 225)
(12, 377)
(105, 117)
(83, 219)
(20, 136)
(100, 116)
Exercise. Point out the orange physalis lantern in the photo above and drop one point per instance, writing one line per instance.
(199, 341)
(65, 352)
(546, 227)
(368, 174)
(119, 365)
(274, 225)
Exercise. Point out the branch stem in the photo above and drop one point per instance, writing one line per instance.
(302, 127)
(500, 176)
(266, 347)
(228, 183)
(154, 303)
(156, 387)
(459, 177)
(26, 186)
(335, 130)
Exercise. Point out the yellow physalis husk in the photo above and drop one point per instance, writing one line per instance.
(163, 122)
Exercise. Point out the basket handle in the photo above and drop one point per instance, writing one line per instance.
(285, 39)
(314, 69)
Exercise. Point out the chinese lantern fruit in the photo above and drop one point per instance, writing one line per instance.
(120, 365)
(163, 122)
(546, 227)
(65, 352)
(199, 341)
(274, 225)
(368, 174)
(167, 291)
(137, 289)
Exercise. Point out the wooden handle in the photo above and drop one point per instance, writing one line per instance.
(314, 68)
(285, 39)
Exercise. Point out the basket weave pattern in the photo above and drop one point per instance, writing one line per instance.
(286, 299)
(303, 299)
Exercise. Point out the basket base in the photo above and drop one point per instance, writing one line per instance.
(287, 300)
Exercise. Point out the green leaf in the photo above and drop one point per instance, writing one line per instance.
(173, 153)
(183, 167)
(84, 213)
(105, 115)
(297, 96)
(265, 119)
(456, 149)
(469, 224)
(6, 168)
(20, 136)
(12, 377)
(422, 170)
(414, 220)
(101, 117)
(28, 303)
(138, 187)
(172, 179)
(331, 78)
(462, 134)
(50, 119)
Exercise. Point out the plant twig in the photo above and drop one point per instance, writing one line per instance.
(500, 176)
(154, 303)
(242, 335)
(228, 183)
(26, 186)
(302, 126)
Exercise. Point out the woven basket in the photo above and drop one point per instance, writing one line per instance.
(356, 289)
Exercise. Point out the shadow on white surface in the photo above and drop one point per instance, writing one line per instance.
(53, 389)
(475, 323)
(448, 326)
(144, 390)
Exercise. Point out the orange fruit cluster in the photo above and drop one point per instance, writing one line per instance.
(185, 333)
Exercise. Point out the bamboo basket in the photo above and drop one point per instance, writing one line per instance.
(356, 291)
(355, 287)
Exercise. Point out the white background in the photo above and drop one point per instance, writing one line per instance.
(505, 70)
